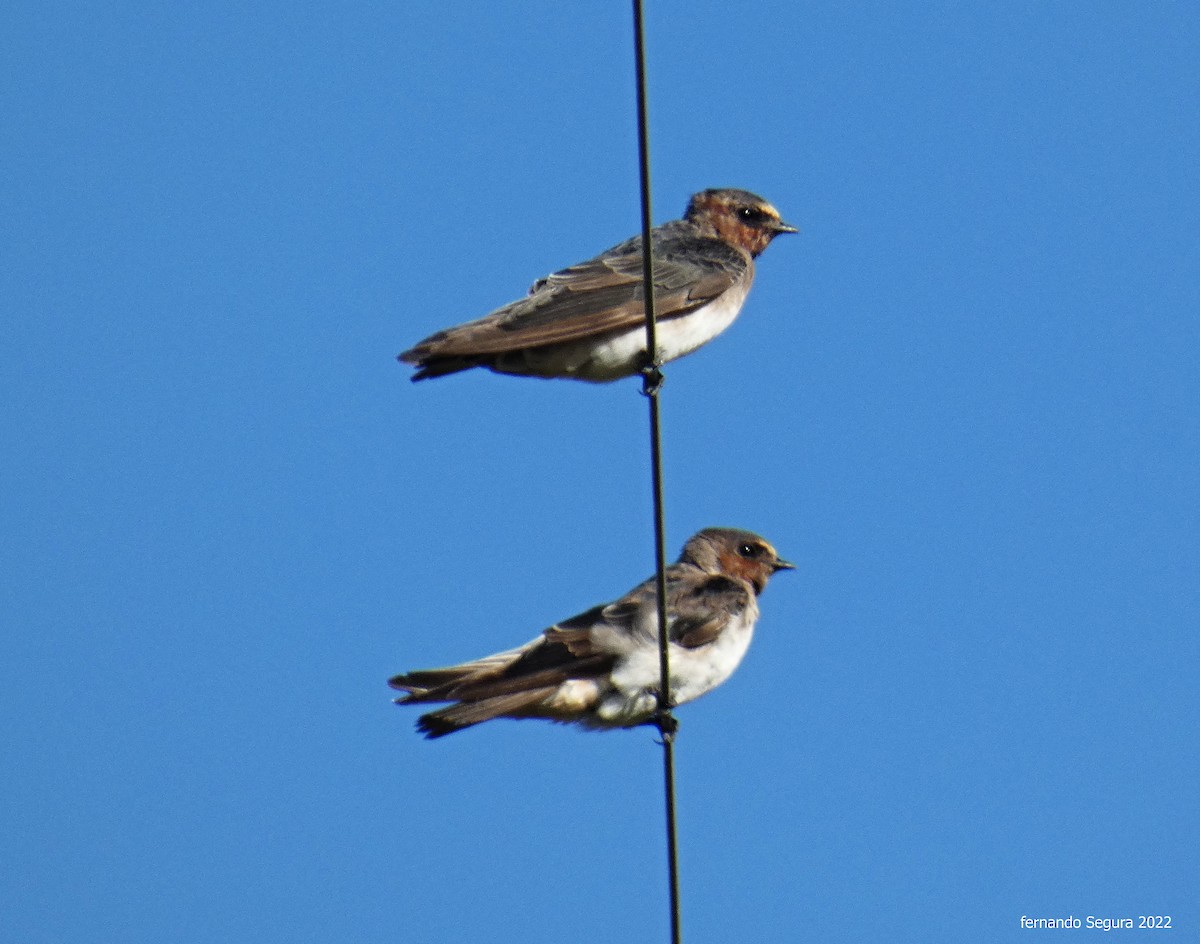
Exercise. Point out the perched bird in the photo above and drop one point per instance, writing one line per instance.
(588, 322)
(600, 669)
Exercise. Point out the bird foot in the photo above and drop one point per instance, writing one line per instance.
(652, 378)
(666, 723)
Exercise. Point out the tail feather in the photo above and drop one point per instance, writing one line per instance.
(518, 683)
(465, 714)
(422, 683)
(430, 365)
(482, 687)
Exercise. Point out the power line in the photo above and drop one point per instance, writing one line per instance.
(652, 379)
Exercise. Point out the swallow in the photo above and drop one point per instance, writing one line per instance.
(600, 669)
(588, 322)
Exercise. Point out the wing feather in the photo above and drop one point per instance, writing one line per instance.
(597, 297)
(702, 611)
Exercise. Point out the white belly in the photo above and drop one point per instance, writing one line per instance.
(694, 672)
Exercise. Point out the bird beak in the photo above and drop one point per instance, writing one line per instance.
(781, 564)
(781, 227)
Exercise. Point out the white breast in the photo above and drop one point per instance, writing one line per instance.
(697, 671)
(693, 671)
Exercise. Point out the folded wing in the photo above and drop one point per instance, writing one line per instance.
(601, 296)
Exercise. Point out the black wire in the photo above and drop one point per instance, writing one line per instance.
(652, 379)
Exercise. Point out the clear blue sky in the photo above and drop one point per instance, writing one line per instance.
(964, 401)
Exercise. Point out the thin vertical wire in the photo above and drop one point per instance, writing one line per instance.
(652, 379)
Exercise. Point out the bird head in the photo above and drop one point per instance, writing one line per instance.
(735, 553)
(738, 217)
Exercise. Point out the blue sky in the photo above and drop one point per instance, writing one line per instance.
(963, 400)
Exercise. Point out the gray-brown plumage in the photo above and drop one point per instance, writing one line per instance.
(587, 322)
(600, 669)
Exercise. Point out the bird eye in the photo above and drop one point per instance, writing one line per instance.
(751, 214)
(748, 550)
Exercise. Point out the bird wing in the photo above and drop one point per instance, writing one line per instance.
(422, 682)
(699, 607)
(597, 297)
(701, 610)
(556, 656)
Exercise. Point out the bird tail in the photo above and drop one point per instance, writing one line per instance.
(429, 366)
(474, 681)
(443, 684)
(519, 683)
(465, 714)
